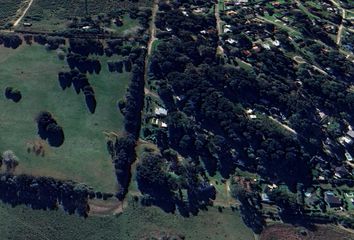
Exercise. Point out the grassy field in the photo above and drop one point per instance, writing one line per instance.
(48, 15)
(83, 157)
(8, 10)
(135, 223)
(319, 232)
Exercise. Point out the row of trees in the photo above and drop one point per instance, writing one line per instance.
(122, 149)
(44, 193)
(117, 66)
(10, 41)
(81, 84)
(83, 63)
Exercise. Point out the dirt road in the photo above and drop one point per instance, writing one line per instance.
(155, 8)
(300, 60)
(23, 13)
(218, 19)
(340, 30)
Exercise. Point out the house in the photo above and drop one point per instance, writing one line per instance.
(230, 41)
(350, 195)
(341, 172)
(332, 200)
(348, 156)
(276, 43)
(350, 133)
(160, 112)
(312, 199)
(265, 198)
(157, 123)
(227, 28)
(345, 141)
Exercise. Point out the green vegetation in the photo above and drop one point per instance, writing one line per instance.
(83, 157)
(135, 223)
(47, 15)
(8, 10)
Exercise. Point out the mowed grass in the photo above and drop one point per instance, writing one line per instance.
(83, 157)
(135, 222)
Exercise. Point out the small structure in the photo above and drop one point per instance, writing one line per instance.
(230, 41)
(345, 141)
(332, 200)
(350, 133)
(157, 123)
(27, 24)
(161, 112)
(341, 172)
(265, 198)
(348, 156)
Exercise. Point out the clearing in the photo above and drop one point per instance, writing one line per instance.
(83, 157)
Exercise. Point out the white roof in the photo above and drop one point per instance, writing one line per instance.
(160, 111)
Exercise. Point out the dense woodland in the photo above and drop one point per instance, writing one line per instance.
(207, 95)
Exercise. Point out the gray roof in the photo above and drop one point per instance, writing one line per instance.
(350, 133)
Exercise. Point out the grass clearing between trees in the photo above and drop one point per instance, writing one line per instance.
(83, 157)
(135, 222)
(48, 15)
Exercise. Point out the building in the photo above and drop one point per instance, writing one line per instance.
(348, 156)
(265, 198)
(332, 200)
(27, 24)
(341, 172)
(161, 112)
(350, 133)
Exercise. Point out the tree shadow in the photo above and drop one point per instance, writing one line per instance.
(91, 103)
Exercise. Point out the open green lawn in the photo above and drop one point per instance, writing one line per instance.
(83, 157)
(134, 223)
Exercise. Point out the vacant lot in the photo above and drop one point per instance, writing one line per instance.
(289, 232)
(83, 157)
(134, 223)
(8, 10)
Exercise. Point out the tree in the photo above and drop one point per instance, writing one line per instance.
(10, 160)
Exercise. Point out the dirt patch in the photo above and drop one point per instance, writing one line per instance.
(37, 147)
(105, 208)
(319, 232)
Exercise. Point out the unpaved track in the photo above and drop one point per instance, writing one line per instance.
(218, 19)
(155, 8)
(23, 13)
(340, 30)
